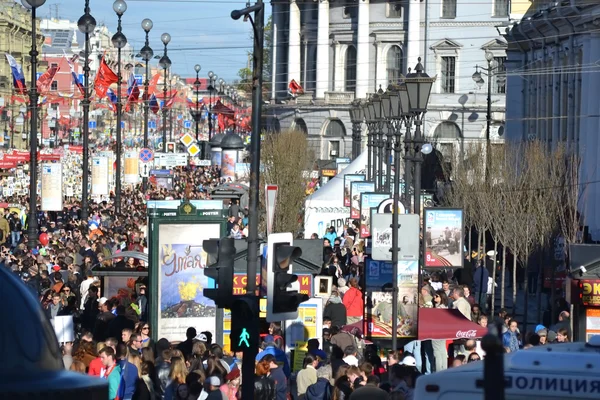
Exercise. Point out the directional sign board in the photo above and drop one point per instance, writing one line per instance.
(92, 124)
(144, 170)
(170, 160)
(187, 124)
(408, 234)
(152, 124)
(146, 155)
(138, 79)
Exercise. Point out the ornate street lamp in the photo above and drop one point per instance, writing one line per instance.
(196, 115)
(32, 224)
(146, 53)
(119, 41)
(357, 117)
(165, 63)
(86, 25)
(212, 78)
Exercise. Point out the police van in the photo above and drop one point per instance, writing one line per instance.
(558, 371)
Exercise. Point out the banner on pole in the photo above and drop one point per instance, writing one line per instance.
(100, 170)
(131, 174)
(52, 187)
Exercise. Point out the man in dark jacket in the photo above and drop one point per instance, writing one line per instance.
(278, 376)
(480, 284)
(321, 390)
(162, 371)
(129, 374)
(103, 320)
(186, 346)
(335, 310)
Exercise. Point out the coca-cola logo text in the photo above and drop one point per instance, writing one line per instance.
(466, 334)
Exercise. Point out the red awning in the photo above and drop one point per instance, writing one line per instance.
(439, 323)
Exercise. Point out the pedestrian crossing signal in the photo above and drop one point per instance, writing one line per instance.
(244, 323)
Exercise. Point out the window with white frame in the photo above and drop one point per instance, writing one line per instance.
(448, 8)
(447, 130)
(500, 8)
(350, 69)
(54, 86)
(394, 9)
(394, 64)
(448, 71)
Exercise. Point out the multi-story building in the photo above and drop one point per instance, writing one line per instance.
(552, 88)
(15, 39)
(342, 50)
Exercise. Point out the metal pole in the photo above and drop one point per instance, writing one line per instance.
(209, 109)
(388, 156)
(164, 110)
(119, 117)
(407, 163)
(170, 111)
(493, 364)
(257, 81)
(488, 121)
(86, 120)
(197, 115)
(395, 239)
(369, 150)
(379, 183)
(146, 108)
(32, 225)
(418, 160)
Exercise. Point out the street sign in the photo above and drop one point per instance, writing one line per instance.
(271, 200)
(202, 163)
(386, 207)
(408, 237)
(92, 124)
(122, 124)
(144, 170)
(187, 124)
(187, 140)
(194, 149)
(170, 160)
(152, 124)
(146, 155)
(138, 79)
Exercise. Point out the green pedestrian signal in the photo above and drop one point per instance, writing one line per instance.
(244, 338)
(245, 315)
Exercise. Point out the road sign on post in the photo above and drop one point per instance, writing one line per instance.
(271, 199)
(146, 155)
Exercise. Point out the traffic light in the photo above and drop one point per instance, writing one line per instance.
(244, 323)
(282, 301)
(219, 267)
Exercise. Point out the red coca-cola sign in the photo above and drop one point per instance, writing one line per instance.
(470, 334)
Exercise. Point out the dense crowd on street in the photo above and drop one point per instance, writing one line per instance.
(113, 339)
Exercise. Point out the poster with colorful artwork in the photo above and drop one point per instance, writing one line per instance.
(348, 179)
(443, 238)
(181, 280)
(356, 188)
(367, 202)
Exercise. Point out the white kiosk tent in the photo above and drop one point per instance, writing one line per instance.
(325, 207)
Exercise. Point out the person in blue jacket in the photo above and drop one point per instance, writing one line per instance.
(280, 357)
(129, 374)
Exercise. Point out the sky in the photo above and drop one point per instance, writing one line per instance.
(202, 31)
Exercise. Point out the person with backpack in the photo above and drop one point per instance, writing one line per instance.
(320, 390)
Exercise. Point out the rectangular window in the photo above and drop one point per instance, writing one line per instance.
(448, 8)
(54, 106)
(448, 74)
(350, 9)
(394, 9)
(500, 86)
(54, 65)
(334, 149)
(54, 86)
(500, 8)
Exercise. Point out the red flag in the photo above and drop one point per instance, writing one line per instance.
(152, 86)
(295, 88)
(104, 78)
(44, 81)
(171, 101)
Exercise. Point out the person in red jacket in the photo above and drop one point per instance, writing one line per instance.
(353, 300)
(96, 365)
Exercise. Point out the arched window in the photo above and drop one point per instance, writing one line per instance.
(300, 125)
(394, 64)
(447, 130)
(350, 69)
(335, 128)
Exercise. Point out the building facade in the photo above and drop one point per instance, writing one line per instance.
(553, 80)
(15, 39)
(340, 50)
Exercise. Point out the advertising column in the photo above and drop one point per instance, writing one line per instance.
(100, 176)
(131, 175)
(52, 187)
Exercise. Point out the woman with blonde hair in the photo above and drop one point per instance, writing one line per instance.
(136, 360)
(77, 366)
(177, 376)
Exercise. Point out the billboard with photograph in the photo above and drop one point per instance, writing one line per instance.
(181, 279)
(367, 202)
(356, 189)
(443, 229)
(379, 315)
(348, 179)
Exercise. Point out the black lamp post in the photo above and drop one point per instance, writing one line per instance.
(86, 25)
(366, 106)
(386, 104)
(356, 116)
(212, 78)
(377, 115)
(165, 63)
(146, 53)
(196, 114)
(32, 225)
(119, 41)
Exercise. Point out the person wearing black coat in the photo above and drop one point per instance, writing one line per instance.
(264, 388)
(120, 322)
(335, 310)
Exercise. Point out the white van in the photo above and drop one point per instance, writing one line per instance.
(558, 371)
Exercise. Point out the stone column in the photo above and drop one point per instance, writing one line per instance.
(415, 45)
(294, 47)
(362, 50)
(323, 49)
(276, 26)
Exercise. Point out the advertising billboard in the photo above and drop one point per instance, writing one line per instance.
(356, 189)
(181, 281)
(348, 179)
(367, 202)
(443, 229)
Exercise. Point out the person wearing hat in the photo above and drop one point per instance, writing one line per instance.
(232, 384)
(213, 384)
(335, 310)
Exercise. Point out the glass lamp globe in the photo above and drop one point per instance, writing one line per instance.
(147, 25)
(86, 23)
(197, 68)
(119, 40)
(32, 3)
(165, 38)
(119, 6)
